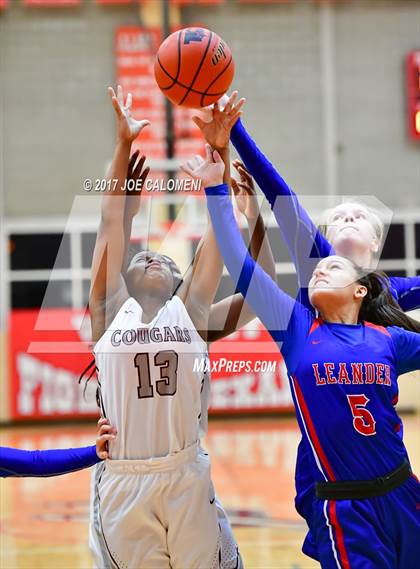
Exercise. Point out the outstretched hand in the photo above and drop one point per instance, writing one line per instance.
(209, 170)
(216, 124)
(128, 128)
(244, 190)
(136, 176)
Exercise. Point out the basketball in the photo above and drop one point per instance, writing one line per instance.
(194, 67)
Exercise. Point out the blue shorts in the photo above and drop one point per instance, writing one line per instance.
(381, 532)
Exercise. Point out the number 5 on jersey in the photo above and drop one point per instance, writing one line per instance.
(167, 362)
(363, 420)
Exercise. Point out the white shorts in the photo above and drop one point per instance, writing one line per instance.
(159, 513)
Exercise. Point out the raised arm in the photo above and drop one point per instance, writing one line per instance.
(407, 349)
(136, 176)
(202, 281)
(231, 313)
(305, 243)
(301, 235)
(108, 291)
(287, 321)
(406, 291)
(246, 200)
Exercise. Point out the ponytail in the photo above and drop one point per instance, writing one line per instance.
(379, 306)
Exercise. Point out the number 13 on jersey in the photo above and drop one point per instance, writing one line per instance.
(167, 362)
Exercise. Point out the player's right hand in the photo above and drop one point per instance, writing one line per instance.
(217, 124)
(128, 128)
(210, 171)
(106, 433)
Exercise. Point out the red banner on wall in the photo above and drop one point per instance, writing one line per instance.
(266, 1)
(114, 2)
(51, 3)
(48, 354)
(45, 364)
(195, 2)
(135, 51)
(413, 94)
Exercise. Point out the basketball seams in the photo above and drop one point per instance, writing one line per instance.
(198, 69)
(188, 81)
(207, 94)
(179, 55)
(173, 79)
(215, 79)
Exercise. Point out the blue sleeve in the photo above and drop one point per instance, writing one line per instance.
(407, 349)
(286, 320)
(305, 243)
(406, 291)
(16, 462)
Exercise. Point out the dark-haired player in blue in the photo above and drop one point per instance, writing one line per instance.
(17, 462)
(350, 229)
(343, 373)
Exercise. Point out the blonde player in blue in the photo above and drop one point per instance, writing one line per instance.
(343, 369)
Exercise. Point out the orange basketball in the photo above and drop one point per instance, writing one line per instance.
(194, 67)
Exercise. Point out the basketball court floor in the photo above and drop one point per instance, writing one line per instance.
(44, 522)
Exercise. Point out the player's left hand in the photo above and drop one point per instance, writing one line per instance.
(216, 131)
(105, 433)
(244, 190)
(210, 171)
(128, 128)
(136, 176)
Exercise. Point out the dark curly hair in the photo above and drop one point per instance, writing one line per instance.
(379, 306)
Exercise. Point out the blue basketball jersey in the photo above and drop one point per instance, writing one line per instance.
(345, 389)
(343, 377)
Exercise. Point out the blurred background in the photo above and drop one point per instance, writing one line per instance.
(333, 99)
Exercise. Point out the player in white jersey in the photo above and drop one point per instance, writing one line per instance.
(153, 502)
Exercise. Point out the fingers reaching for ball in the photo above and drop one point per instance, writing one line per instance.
(128, 128)
(217, 125)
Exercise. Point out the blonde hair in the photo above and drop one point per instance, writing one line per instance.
(374, 218)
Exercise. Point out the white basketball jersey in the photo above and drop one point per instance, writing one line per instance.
(153, 384)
